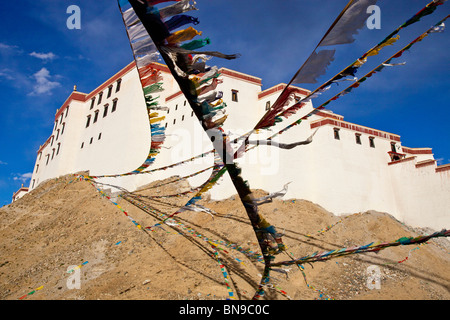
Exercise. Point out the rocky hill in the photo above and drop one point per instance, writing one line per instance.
(66, 222)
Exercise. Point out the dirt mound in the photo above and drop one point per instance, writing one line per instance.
(66, 222)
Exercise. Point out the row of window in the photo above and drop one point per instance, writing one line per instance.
(59, 133)
(234, 98)
(55, 152)
(182, 119)
(105, 112)
(63, 115)
(357, 138)
(268, 103)
(92, 140)
(100, 95)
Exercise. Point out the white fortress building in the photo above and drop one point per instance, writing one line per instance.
(348, 168)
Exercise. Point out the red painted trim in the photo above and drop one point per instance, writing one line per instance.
(271, 91)
(45, 144)
(417, 150)
(402, 160)
(160, 67)
(111, 80)
(18, 191)
(240, 76)
(77, 96)
(329, 115)
(444, 167)
(280, 87)
(83, 97)
(173, 96)
(354, 127)
(225, 72)
(425, 163)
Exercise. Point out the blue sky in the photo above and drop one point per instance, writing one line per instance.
(41, 60)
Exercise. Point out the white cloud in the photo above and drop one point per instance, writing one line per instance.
(23, 177)
(44, 56)
(10, 50)
(7, 74)
(43, 83)
(4, 46)
(2, 162)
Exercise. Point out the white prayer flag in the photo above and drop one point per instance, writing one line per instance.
(353, 19)
(137, 31)
(315, 66)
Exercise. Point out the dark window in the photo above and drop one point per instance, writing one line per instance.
(267, 105)
(234, 95)
(82, 145)
(92, 139)
(63, 126)
(105, 110)
(185, 102)
(118, 85)
(88, 121)
(53, 153)
(176, 107)
(99, 136)
(37, 168)
(192, 113)
(358, 138)
(92, 103)
(109, 91)
(100, 95)
(96, 116)
(174, 121)
(57, 150)
(393, 149)
(372, 142)
(67, 111)
(182, 118)
(336, 134)
(114, 105)
(48, 158)
(166, 125)
(57, 135)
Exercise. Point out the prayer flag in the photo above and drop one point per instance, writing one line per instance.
(349, 23)
(314, 67)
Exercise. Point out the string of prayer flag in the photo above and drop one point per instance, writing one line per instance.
(340, 32)
(224, 272)
(78, 267)
(371, 247)
(180, 63)
(177, 49)
(31, 292)
(386, 63)
(438, 27)
(145, 53)
(276, 111)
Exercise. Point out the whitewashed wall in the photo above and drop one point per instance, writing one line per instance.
(340, 175)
